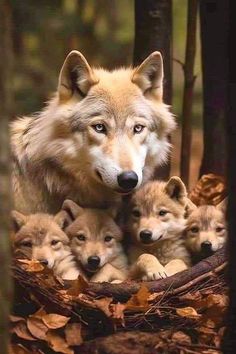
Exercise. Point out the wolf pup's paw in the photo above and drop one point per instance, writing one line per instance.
(155, 274)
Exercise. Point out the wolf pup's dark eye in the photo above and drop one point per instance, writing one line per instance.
(219, 229)
(194, 229)
(26, 243)
(138, 128)
(136, 213)
(108, 238)
(81, 237)
(54, 242)
(163, 212)
(99, 128)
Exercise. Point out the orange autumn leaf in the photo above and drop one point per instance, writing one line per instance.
(54, 320)
(31, 266)
(139, 301)
(77, 286)
(57, 343)
(21, 330)
(37, 328)
(189, 312)
(104, 305)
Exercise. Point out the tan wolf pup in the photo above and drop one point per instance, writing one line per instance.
(41, 237)
(99, 137)
(96, 243)
(206, 230)
(156, 220)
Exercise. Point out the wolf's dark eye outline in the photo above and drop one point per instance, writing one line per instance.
(219, 229)
(163, 212)
(81, 237)
(136, 213)
(54, 242)
(138, 128)
(100, 128)
(108, 238)
(194, 229)
(26, 243)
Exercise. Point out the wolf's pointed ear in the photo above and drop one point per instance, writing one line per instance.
(223, 205)
(190, 207)
(18, 219)
(76, 76)
(149, 75)
(72, 208)
(176, 189)
(63, 219)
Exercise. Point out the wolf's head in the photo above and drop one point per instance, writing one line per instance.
(206, 229)
(156, 211)
(111, 127)
(41, 237)
(95, 237)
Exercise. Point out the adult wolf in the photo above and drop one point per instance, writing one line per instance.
(100, 136)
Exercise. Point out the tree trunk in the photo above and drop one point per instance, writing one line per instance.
(153, 31)
(5, 205)
(213, 19)
(189, 80)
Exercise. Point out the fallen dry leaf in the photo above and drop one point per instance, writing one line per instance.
(54, 320)
(21, 330)
(37, 327)
(77, 286)
(40, 313)
(57, 343)
(14, 318)
(73, 334)
(139, 301)
(104, 305)
(31, 266)
(189, 312)
(117, 311)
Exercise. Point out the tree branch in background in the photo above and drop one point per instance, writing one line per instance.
(5, 205)
(213, 20)
(189, 80)
(153, 31)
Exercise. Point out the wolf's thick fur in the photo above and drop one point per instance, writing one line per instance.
(206, 230)
(94, 233)
(98, 125)
(40, 237)
(159, 209)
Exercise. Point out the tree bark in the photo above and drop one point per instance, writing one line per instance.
(189, 79)
(153, 31)
(213, 20)
(5, 205)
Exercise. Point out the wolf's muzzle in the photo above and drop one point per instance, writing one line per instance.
(127, 180)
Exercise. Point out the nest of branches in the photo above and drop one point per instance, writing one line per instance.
(183, 313)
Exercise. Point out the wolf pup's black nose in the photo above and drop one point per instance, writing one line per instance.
(145, 236)
(43, 261)
(93, 262)
(127, 180)
(206, 247)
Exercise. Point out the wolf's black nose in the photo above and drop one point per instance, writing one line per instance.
(206, 246)
(145, 236)
(43, 261)
(94, 262)
(127, 180)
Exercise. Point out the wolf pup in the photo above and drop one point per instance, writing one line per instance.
(99, 137)
(206, 230)
(41, 237)
(96, 243)
(155, 224)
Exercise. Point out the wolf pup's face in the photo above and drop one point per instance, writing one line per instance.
(157, 211)
(40, 236)
(95, 237)
(112, 125)
(206, 229)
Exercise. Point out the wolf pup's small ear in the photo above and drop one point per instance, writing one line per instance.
(18, 219)
(149, 75)
(72, 208)
(190, 207)
(223, 205)
(176, 189)
(76, 76)
(62, 219)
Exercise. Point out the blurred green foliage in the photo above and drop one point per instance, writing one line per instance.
(103, 30)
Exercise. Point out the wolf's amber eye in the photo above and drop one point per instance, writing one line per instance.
(54, 242)
(194, 229)
(26, 243)
(81, 237)
(136, 213)
(138, 128)
(219, 229)
(108, 238)
(163, 212)
(99, 128)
